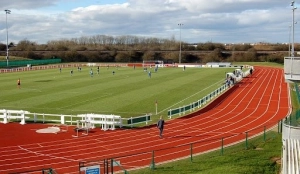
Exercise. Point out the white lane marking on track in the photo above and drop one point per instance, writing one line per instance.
(40, 154)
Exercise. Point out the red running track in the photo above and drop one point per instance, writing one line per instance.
(257, 102)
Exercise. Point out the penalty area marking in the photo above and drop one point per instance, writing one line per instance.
(86, 101)
(32, 89)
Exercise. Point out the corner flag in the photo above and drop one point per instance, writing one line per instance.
(156, 107)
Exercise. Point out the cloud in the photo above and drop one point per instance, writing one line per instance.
(27, 4)
(226, 21)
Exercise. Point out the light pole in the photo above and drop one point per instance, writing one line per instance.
(7, 57)
(180, 42)
(290, 27)
(293, 28)
(293, 38)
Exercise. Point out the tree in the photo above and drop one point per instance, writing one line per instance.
(2, 47)
(251, 55)
(171, 56)
(26, 45)
(134, 56)
(71, 56)
(31, 55)
(206, 46)
(148, 55)
(191, 58)
(122, 57)
(215, 56)
(242, 47)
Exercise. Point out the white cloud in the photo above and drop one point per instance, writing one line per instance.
(217, 20)
(27, 4)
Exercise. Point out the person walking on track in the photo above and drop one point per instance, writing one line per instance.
(160, 126)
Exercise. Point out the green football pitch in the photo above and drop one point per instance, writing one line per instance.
(128, 92)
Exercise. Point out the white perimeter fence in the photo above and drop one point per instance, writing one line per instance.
(106, 122)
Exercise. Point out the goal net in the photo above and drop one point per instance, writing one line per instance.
(153, 63)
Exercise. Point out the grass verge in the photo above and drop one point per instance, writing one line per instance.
(261, 157)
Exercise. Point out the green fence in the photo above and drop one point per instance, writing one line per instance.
(297, 86)
(141, 119)
(199, 103)
(293, 119)
(19, 63)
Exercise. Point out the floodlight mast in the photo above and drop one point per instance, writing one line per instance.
(7, 56)
(180, 42)
(290, 27)
(293, 28)
(293, 39)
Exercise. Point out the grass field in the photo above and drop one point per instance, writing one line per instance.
(129, 92)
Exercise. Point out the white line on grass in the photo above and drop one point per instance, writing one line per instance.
(71, 92)
(217, 83)
(86, 101)
(32, 89)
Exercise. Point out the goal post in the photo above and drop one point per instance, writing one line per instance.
(153, 63)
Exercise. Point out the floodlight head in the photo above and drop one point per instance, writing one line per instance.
(7, 11)
(292, 3)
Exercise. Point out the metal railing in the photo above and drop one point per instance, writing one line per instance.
(206, 99)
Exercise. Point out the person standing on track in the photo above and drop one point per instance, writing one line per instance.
(160, 126)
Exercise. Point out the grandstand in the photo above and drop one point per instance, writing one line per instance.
(291, 69)
(291, 127)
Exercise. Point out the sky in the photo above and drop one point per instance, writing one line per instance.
(222, 21)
